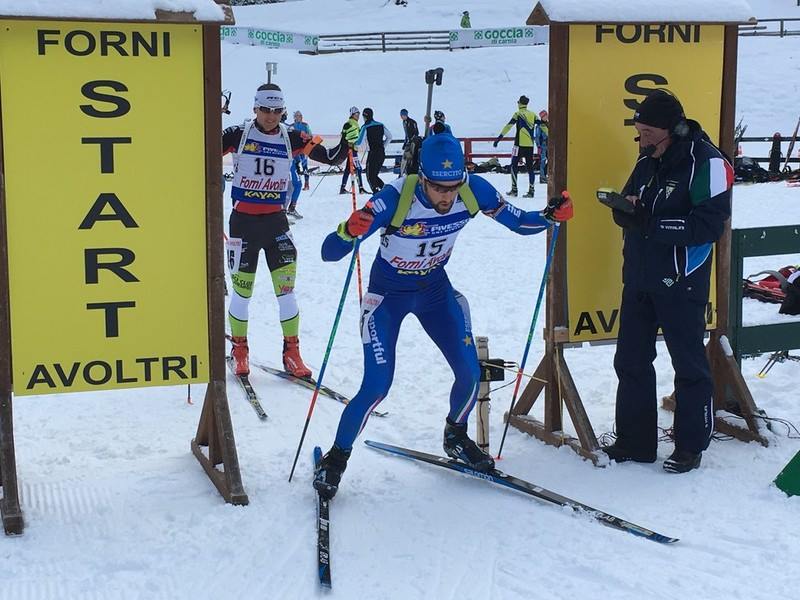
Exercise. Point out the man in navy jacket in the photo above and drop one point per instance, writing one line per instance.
(680, 189)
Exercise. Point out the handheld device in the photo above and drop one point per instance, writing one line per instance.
(614, 199)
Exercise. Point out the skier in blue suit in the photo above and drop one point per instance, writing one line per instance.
(421, 217)
(299, 165)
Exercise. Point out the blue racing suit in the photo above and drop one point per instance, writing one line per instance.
(408, 277)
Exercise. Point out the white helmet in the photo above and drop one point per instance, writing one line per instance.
(354, 110)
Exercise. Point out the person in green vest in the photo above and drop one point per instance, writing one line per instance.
(350, 131)
(465, 24)
(525, 121)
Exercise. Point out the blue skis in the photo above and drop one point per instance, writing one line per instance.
(323, 533)
(509, 481)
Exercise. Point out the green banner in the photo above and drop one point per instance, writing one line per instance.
(269, 38)
(501, 36)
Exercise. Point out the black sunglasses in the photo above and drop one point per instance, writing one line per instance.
(443, 189)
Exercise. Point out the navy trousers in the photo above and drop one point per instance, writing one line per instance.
(682, 322)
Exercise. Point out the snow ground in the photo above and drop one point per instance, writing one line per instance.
(117, 507)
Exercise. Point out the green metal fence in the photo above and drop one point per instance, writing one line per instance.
(760, 241)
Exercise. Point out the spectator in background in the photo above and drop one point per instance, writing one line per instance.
(525, 121)
(540, 136)
(350, 131)
(409, 164)
(465, 24)
(410, 129)
(377, 138)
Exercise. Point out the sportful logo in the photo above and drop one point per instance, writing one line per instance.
(667, 281)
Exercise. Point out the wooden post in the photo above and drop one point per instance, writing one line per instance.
(215, 430)
(9, 506)
(482, 414)
(560, 390)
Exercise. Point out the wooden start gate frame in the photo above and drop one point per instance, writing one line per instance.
(599, 71)
(85, 104)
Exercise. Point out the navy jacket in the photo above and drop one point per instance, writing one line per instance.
(685, 199)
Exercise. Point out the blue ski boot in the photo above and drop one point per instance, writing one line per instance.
(458, 445)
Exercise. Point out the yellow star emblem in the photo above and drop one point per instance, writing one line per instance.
(468, 341)
(447, 164)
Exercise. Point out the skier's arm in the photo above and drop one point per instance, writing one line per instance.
(381, 206)
(313, 148)
(387, 137)
(493, 205)
(413, 130)
(360, 139)
(509, 125)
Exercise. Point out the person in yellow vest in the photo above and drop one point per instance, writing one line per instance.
(350, 131)
(525, 121)
(421, 217)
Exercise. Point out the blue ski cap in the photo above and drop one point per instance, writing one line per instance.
(441, 158)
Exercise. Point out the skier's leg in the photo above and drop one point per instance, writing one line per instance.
(381, 317)
(282, 262)
(446, 319)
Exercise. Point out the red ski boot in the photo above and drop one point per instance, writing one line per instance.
(241, 355)
(292, 361)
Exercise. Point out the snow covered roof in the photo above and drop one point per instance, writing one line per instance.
(641, 11)
(203, 11)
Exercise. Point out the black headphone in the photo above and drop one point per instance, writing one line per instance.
(681, 127)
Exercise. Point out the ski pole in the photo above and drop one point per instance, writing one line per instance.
(352, 166)
(356, 243)
(546, 272)
(323, 176)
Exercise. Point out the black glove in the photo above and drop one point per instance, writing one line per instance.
(497, 141)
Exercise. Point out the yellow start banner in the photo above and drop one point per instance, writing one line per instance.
(103, 145)
(612, 68)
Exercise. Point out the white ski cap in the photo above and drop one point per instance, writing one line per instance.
(269, 99)
(354, 110)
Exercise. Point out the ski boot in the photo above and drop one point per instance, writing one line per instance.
(292, 362)
(529, 193)
(241, 355)
(305, 185)
(361, 190)
(292, 212)
(620, 454)
(458, 445)
(342, 190)
(328, 472)
(542, 179)
(681, 461)
(512, 192)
